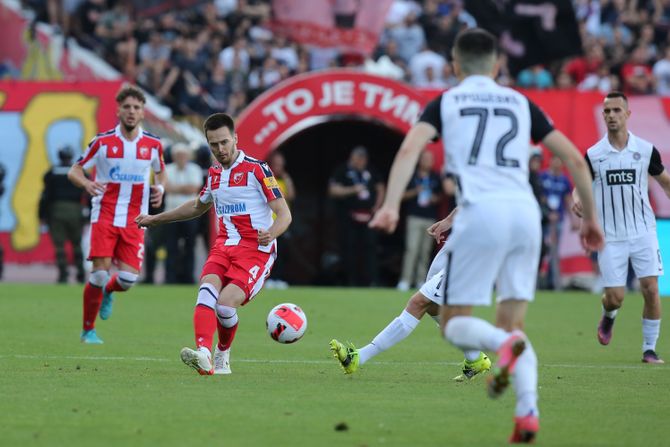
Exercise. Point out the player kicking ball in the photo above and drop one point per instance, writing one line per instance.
(244, 194)
(426, 301)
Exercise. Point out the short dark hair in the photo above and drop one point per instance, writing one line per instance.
(616, 94)
(217, 121)
(476, 42)
(130, 90)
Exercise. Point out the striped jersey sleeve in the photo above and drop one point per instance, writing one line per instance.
(213, 180)
(87, 159)
(268, 182)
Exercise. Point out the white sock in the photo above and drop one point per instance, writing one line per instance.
(650, 331)
(610, 313)
(395, 332)
(227, 315)
(471, 356)
(471, 333)
(525, 382)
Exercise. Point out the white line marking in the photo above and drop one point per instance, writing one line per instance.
(302, 362)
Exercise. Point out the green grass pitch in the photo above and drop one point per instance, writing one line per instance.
(134, 390)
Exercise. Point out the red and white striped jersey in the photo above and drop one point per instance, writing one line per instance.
(240, 196)
(125, 168)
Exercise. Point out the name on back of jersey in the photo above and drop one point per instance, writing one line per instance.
(620, 176)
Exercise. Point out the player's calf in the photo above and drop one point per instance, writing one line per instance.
(120, 282)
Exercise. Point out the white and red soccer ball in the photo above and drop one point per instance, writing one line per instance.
(286, 323)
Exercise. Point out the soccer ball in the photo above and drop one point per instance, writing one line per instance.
(286, 323)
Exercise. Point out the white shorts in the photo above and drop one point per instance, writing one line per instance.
(643, 253)
(433, 288)
(493, 243)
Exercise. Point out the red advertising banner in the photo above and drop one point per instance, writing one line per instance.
(37, 119)
(351, 25)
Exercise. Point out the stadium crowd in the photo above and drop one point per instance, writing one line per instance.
(221, 55)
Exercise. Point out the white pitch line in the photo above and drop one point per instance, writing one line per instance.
(302, 362)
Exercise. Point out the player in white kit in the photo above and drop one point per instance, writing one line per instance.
(621, 164)
(486, 131)
(425, 301)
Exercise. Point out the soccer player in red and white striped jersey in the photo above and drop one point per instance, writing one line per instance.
(123, 159)
(244, 194)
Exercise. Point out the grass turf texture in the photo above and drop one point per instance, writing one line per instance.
(134, 390)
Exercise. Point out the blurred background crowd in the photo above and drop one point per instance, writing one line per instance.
(222, 54)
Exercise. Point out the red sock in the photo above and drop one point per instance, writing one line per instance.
(226, 335)
(92, 301)
(204, 323)
(113, 285)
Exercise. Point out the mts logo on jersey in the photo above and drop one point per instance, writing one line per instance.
(620, 177)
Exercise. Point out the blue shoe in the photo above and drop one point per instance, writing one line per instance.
(90, 338)
(106, 307)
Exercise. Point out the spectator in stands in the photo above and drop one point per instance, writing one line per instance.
(580, 67)
(535, 77)
(636, 73)
(602, 81)
(424, 59)
(662, 74)
(184, 184)
(236, 56)
(154, 56)
(420, 201)
(358, 192)
(409, 37)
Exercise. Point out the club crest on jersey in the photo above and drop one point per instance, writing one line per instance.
(620, 177)
(143, 153)
(237, 177)
(636, 156)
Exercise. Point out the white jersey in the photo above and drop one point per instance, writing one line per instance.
(486, 130)
(621, 186)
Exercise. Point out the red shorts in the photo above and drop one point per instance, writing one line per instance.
(246, 267)
(121, 244)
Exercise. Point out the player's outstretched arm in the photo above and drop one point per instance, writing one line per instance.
(556, 142)
(280, 224)
(386, 218)
(185, 211)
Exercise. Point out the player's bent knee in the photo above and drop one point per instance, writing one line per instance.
(418, 305)
(208, 294)
(99, 278)
(126, 279)
(227, 315)
(232, 296)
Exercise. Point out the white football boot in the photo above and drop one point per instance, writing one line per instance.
(221, 361)
(199, 359)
